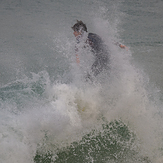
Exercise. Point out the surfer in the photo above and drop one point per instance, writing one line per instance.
(98, 48)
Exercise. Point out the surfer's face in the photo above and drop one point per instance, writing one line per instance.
(76, 33)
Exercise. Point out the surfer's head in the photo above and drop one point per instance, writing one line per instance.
(79, 28)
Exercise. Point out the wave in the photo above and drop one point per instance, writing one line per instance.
(54, 115)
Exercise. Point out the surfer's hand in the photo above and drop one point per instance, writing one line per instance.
(123, 46)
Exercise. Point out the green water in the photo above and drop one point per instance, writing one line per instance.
(115, 142)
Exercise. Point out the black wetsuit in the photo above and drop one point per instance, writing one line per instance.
(100, 52)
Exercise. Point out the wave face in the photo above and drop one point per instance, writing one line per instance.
(49, 113)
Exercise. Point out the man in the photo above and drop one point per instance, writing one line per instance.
(98, 48)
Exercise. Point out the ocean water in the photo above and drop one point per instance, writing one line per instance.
(50, 114)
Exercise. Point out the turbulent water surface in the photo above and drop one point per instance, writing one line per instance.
(50, 114)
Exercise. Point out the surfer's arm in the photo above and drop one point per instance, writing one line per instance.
(77, 58)
(121, 45)
(76, 54)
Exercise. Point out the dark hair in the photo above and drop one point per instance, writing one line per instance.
(79, 26)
